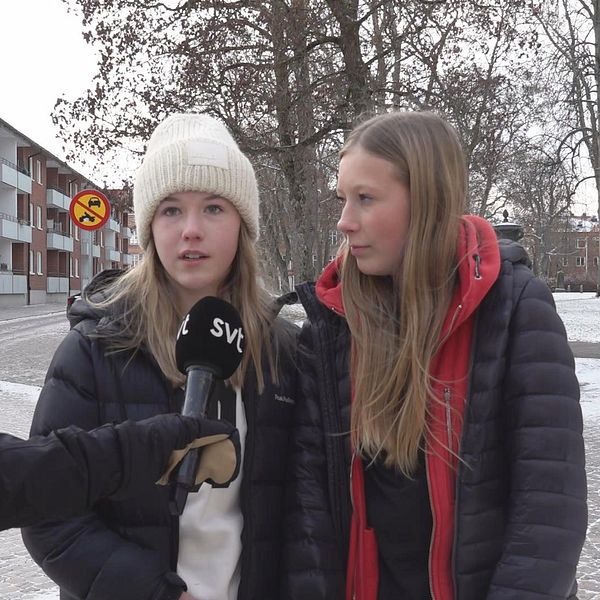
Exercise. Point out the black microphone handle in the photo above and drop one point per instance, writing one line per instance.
(198, 389)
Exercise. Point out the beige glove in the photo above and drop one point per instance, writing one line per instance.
(219, 458)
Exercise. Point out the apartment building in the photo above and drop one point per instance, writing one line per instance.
(136, 254)
(44, 257)
(573, 262)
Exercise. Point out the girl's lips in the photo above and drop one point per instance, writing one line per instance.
(358, 250)
(194, 260)
(192, 255)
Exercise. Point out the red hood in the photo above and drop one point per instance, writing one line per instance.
(477, 273)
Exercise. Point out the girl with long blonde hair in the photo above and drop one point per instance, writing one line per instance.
(196, 209)
(439, 451)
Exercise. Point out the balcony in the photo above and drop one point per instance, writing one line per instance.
(57, 240)
(114, 255)
(14, 177)
(56, 198)
(95, 251)
(127, 260)
(10, 283)
(85, 248)
(57, 283)
(14, 229)
(125, 232)
(113, 225)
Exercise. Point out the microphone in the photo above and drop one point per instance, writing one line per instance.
(210, 345)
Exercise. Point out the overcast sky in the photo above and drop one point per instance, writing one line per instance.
(42, 56)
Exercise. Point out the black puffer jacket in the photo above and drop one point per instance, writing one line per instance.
(520, 514)
(128, 550)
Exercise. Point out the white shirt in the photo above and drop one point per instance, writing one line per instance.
(210, 533)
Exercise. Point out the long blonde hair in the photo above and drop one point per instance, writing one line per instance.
(146, 314)
(396, 321)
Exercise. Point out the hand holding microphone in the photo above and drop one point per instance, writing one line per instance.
(210, 345)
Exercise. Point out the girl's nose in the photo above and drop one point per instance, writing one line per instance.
(347, 223)
(193, 227)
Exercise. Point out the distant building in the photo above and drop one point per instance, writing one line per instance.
(573, 261)
(135, 251)
(44, 257)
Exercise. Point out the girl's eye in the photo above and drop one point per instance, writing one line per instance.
(170, 211)
(364, 198)
(214, 209)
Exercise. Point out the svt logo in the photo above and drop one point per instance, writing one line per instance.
(230, 335)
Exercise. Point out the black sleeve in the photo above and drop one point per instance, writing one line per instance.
(312, 566)
(65, 473)
(82, 555)
(547, 511)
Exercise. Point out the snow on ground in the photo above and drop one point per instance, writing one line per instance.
(27, 394)
(588, 374)
(580, 314)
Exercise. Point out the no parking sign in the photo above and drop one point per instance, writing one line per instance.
(89, 209)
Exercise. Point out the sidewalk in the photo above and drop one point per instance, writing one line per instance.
(33, 310)
(585, 349)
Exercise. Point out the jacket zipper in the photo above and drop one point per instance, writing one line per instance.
(433, 528)
(447, 396)
(353, 509)
(477, 266)
(448, 417)
(248, 391)
(350, 477)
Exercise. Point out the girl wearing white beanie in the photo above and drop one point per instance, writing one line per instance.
(196, 209)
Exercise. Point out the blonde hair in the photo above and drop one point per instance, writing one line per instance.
(396, 321)
(144, 291)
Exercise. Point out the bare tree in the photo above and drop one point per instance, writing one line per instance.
(541, 194)
(573, 30)
(289, 78)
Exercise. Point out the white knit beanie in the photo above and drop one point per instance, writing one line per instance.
(193, 153)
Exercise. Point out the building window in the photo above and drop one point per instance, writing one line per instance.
(31, 265)
(73, 188)
(595, 261)
(38, 210)
(333, 237)
(35, 169)
(76, 267)
(39, 263)
(581, 242)
(580, 261)
(73, 226)
(31, 215)
(565, 261)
